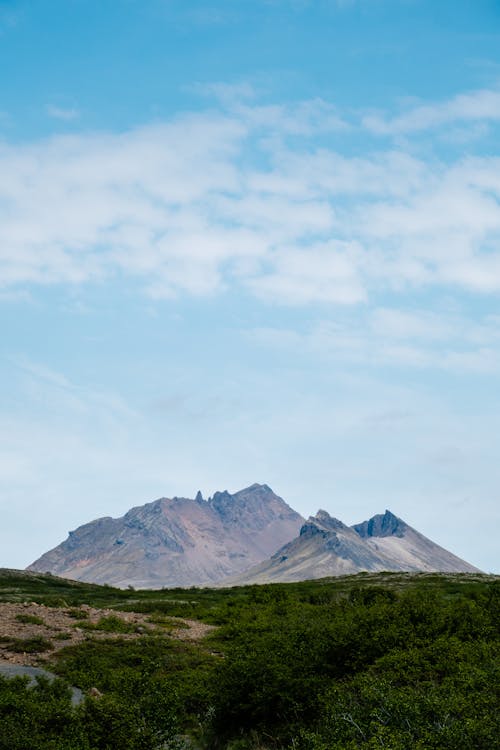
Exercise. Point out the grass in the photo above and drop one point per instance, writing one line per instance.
(77, 614)
(30, 619)
(168, 623)
(34, 645)
(217, 605)
(110, 624)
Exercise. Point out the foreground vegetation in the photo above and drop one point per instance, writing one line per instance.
(369, 661)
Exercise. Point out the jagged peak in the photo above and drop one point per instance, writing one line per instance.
(257, 485)
(311, 528)
(257, 490)
(328, 521)
(219, 498)
(322, 523)
(322, 514)
(383, 524)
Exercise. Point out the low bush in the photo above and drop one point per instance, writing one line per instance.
(30, 619)
(386, 660)
(34, 645)
(109, 624)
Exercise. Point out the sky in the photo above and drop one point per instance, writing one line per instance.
(250, 241)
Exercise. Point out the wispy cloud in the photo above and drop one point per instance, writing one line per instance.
(63, 113)
(44, 384)
(469, 107)
(391, 337)
(245, 196)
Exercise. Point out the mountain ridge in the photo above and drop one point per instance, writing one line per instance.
(326, 546)
(250, 536)
(176, 541)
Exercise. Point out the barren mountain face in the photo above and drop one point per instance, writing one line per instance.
(236, 539)
(326, 547)
(177, 541)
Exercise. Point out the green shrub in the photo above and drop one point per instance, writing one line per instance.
(110, 624)
(34, 645)
(376, 660)
(169, 623)
(77, 614)
(42, 718)
(30, 619)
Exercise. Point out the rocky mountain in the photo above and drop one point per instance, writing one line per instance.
(327, 547)
(177, 541)
(232, 539)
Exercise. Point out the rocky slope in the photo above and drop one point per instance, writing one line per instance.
(327, 547)
(177, 541)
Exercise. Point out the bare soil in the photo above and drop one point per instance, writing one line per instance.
(60, 627)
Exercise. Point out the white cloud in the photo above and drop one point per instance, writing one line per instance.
(404, 324)
(390, 337)
(327, 272)
(475, 105)
(245, 196)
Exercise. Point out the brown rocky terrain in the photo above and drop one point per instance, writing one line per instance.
(52, 628)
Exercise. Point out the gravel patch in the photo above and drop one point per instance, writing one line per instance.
(59, 626)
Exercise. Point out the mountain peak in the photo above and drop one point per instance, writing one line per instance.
(386, 524)
(224, 498)
(253, 507)
(323, 518)
(192, 542)
(178, 541)
(322, 523)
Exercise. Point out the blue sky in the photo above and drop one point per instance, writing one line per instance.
(250, 241)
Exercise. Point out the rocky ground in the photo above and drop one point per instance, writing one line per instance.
(30, 632)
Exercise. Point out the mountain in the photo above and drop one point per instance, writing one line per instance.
(176, 541)
(232, 539)
(327, 547)
(401, 545)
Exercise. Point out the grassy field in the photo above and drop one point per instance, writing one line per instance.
(373, 660)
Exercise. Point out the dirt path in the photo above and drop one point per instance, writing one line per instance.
(65, 626)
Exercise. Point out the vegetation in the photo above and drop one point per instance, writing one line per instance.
(369, 661)
(42, 718)
(34, 645)
(111, 624)
(29, 619)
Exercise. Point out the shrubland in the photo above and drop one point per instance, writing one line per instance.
(368, 661)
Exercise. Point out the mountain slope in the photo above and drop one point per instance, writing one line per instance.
(327, 547)
(401, 545)
(177, 541)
